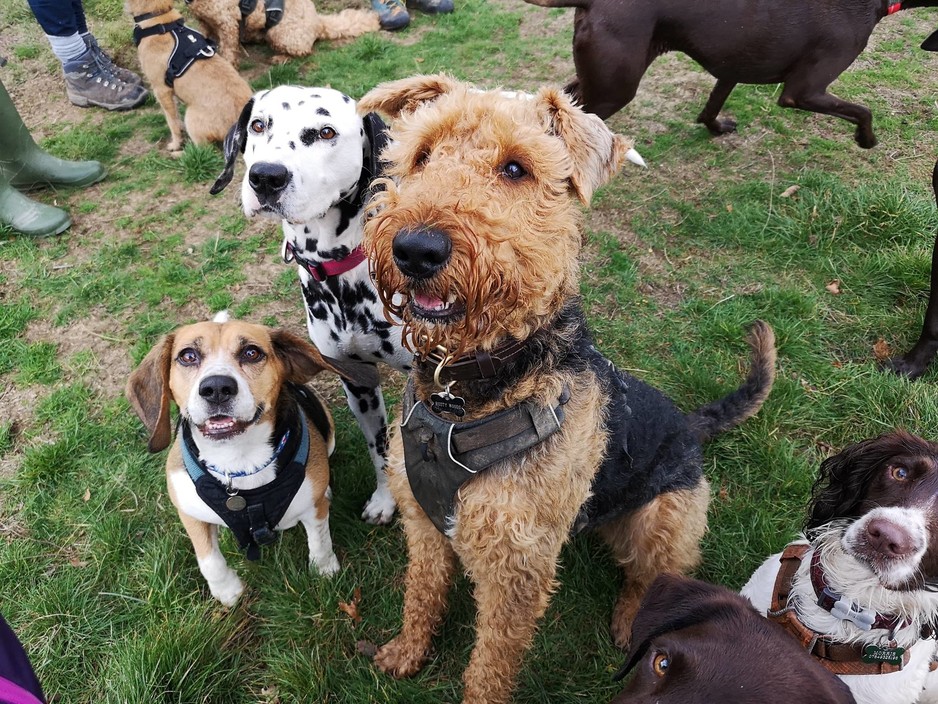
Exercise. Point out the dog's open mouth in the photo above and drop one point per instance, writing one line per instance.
(434, 309)
(222, 427)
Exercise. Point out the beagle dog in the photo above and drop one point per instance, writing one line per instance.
(252, 441)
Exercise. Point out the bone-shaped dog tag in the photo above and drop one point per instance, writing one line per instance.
(445, 402)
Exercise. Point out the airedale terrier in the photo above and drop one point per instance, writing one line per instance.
(516, 432)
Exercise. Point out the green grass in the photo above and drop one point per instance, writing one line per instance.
(101, 580)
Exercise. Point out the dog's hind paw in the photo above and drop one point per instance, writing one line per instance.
(380, 507)
(399, 659)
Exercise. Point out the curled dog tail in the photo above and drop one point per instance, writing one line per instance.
(560, 3)
(734, 408)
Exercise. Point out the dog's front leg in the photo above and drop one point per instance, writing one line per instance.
(164, 96)
(223, 582)
(513, 584)
(367, 405)
(708, 116)
(430, 568)
(316, 523)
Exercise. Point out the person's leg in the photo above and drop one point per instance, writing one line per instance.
(25, 165)
(90, 76)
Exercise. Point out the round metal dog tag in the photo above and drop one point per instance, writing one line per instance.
(235, 503)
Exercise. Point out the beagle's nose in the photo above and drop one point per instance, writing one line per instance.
(422, 252)
(218, 388)
(268, 180)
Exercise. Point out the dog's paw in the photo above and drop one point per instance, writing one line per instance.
(327, 565)
(227, 590)
(380, 507)
(398, 659)
(865, 138)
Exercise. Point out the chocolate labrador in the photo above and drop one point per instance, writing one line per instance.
(697, 643)
(805, 44)
(914, 362)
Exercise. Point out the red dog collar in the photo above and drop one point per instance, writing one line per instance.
(893, 8)
(323, 270)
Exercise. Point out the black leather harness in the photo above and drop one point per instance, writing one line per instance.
(440, 455)
(190, 46)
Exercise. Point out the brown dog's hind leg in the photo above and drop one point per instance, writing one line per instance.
(815, 98)
(430, 568)
(662, 536)
(708, 116)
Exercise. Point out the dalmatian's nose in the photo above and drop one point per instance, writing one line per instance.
(268, 180)
(421, 252)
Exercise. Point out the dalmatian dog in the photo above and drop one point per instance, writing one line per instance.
(310, 159)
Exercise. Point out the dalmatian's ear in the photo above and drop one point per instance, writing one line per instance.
(406, 95)
(234, 144)
(377, 133)
(595, 151)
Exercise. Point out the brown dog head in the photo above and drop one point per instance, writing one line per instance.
(476, 233)
(697, 643)
(224, 376)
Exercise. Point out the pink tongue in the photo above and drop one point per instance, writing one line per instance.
(425, 301)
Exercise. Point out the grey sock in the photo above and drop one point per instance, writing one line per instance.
(67, 48)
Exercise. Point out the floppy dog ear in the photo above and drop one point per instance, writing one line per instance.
(596, 152)
(377, 133)
(148, 392)
(234, 144)
(406, 95)
(931, 44)
(303, 361)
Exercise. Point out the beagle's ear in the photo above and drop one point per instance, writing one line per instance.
(406, 95)
(148, 392)
(302, 361)
(595, 151)
(234, 144)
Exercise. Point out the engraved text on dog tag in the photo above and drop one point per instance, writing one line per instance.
(445, 402)
(882, 654)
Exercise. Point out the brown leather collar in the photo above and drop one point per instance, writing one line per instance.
(474, 365)
(839, 658)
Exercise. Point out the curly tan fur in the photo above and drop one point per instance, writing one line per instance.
(295, 35)
(515, 244)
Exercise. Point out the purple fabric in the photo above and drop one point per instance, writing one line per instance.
(17, 679)
(14, 694)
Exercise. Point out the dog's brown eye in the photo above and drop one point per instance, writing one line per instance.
(327, 133)
(899, 473)
(188, 357)
(514, 171)
(252, 354)
(257, 126)
(660, 664)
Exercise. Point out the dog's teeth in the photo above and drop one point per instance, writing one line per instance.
(635, 158)
(451, 299)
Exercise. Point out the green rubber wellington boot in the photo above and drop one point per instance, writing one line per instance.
(26, 166)
(29, 217)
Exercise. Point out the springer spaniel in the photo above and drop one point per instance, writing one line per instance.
(861, 594)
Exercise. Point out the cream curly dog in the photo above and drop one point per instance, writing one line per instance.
(516, 432)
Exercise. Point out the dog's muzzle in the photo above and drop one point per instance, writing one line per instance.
(421, 253)
(268, 181)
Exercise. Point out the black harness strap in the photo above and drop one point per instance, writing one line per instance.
(190, 46)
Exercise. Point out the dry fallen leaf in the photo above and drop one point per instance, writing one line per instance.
(729, 207)
(790, 191)
(881, 350)
(351, 609)
(834, 287)
(87, 496)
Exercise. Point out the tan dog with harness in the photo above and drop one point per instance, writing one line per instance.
(253, 442)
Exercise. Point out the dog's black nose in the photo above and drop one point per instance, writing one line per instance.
(268, 180)
(218, 388)
(422, 252)
(888, 538)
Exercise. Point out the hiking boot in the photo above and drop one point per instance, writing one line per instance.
(27, 217)
(392, 14)
(124, 74)
(88, 81)
(432, 7)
